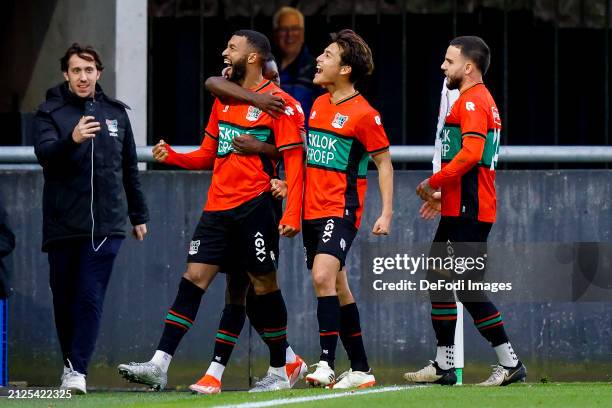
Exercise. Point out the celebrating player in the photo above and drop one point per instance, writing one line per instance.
(470, 144)
(239, 290)
(239, 214)
(344, 131)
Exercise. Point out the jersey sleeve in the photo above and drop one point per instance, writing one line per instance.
(473, 114)
(468, 157)
(287, 131)
(294, 174)
(201, 159)
(371, 133)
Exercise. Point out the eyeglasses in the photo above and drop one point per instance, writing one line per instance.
(292, 30)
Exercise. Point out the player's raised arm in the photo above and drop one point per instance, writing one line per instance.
(200, 159)
(228, 91)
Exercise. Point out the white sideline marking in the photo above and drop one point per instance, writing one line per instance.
(283, 401)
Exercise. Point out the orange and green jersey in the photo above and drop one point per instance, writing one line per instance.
(341, 137)
(238, 178)
(469, 191)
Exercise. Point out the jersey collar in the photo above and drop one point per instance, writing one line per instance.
(348, 98)
(262, 85)
(473, 86)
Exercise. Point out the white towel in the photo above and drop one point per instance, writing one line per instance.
(447, 99)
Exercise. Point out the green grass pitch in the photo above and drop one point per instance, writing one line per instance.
(518, 395)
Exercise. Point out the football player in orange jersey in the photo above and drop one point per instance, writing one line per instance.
(239, 291)
(344, 131)
(468, 205)
(238, 216)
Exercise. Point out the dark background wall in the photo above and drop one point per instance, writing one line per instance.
(549, 70)
(549, 73)
(560, 333)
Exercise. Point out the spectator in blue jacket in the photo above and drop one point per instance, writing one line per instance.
(296, 64)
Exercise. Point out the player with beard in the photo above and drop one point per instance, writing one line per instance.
(238, 217)
(238, 287)
(344, 131)
(467, 182)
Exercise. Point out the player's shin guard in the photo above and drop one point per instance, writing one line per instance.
(444, 320)
(350, 334)
(272, 312)
(230, 326)
(488, 321)
(181, 315)
(328, 315)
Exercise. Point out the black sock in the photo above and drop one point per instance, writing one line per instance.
(252, 307)
(350, 334)
(181, 315)
(444, 320)
(252, 311)
(272, 313)
(488, 321)
(230, 326)
(328, 314)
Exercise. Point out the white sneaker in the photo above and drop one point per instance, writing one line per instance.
(432, 373)
(354, 379)
(273, 381)
(73, 381)
(505, 376)
(147, 373)
(322, 376)
(66, 371)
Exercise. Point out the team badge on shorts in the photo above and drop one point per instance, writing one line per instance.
(339, 121)
(113, 127)
(253, 114)
(193, 247)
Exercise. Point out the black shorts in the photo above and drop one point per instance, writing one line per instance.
(456, 238)
(244, 238)
(332, 236)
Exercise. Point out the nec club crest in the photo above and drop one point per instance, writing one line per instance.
(253, 114)
(113, 127)
(339, 121)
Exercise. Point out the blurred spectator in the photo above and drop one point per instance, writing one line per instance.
(297, 66)
(7, 244)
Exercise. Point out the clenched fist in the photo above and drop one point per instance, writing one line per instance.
(160, 152)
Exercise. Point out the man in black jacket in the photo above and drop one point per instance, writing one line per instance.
(84, 143)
